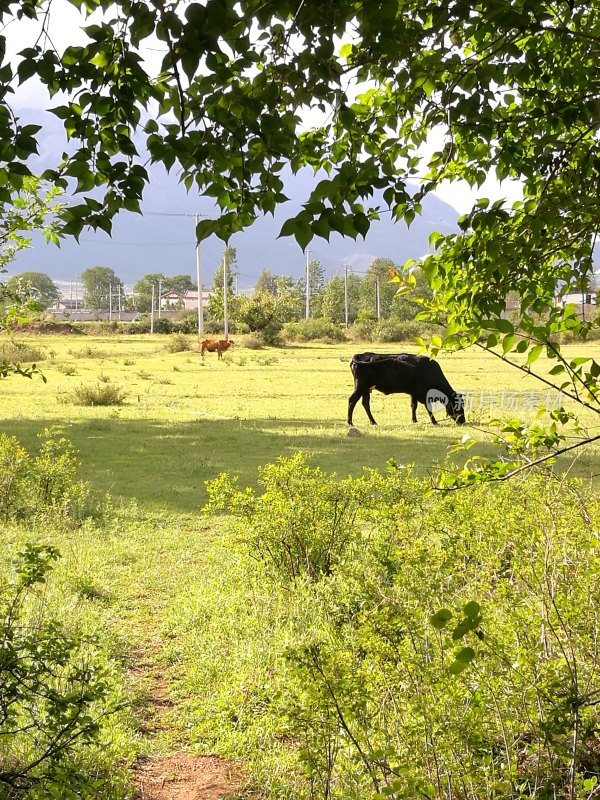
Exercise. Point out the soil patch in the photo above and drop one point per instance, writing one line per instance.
(179, 776)
(186, 777)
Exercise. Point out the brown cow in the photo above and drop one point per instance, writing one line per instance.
(215, 345)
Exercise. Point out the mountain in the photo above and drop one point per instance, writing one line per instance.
(162, 239)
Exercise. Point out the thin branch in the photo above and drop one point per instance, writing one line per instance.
(530, 464)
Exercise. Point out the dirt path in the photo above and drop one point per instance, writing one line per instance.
(179, 776)
(185, 777)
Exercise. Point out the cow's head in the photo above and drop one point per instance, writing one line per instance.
(455, 408)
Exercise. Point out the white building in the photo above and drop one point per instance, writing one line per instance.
(187, 301)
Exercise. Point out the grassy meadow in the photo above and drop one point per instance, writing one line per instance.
(184, 419)
(167, 590)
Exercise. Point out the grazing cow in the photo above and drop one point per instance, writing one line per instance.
(215, 345)
(418, 376)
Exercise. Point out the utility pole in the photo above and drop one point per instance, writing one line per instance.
(307, 285)
(225, 309)
(110, 301)
(159, 296)
(377, 298)
(152, 311)
(346, 294)
(199, 282)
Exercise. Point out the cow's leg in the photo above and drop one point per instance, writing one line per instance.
(431, 417)
(366, 401)
(352, 401)
(356, 395)
(413, 407)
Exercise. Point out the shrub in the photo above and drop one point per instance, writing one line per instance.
(179, 343)
(42, 483)
(361, 331)
(304, 523)
(253, 342)
(162, 325)
(390, 330)
(88, 352)
(54, 691)
(13, 351)
(67, 369)
(436, 645)
(312, 330)
(485, 624)
(102, 394)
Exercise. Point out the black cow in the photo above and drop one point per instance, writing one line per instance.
(418, 376)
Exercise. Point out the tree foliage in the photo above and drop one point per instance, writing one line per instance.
(102, 287)
(224, 276)
(38, 285)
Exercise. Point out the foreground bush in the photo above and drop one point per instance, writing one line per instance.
(43, 483)
(435, 645)
(53, 692)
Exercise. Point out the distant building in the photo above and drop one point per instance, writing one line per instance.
(188, 301)
(579, 298)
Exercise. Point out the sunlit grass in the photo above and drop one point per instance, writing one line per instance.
(185, 419)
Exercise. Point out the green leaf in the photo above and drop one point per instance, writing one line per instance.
(534, 354)
(472, 609)
(504, 325)
(462, 659)
(508, 343)
(440, 619)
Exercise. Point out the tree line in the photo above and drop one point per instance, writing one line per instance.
(345, 298)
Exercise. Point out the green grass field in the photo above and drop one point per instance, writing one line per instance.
(185, 420)
(157, 585)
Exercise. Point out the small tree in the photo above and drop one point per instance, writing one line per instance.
(34, 284)
(52, 692)
(33, 207)
(266, 313)
(406, 306)
(216, 309)
(377, 283)
(333, 298)
(316, 284)
(142, 290)
(100, 284)
(266, 282)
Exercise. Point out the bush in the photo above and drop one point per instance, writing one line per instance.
(436, 644)
(313, 330)
(179, 343)
(42, 483)
(102, 394)
(304, 523)
(253, 342)
(361, 331)
(54, 693)
(487, 611)
(391, 330)
(17, 352)
(88, 352)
